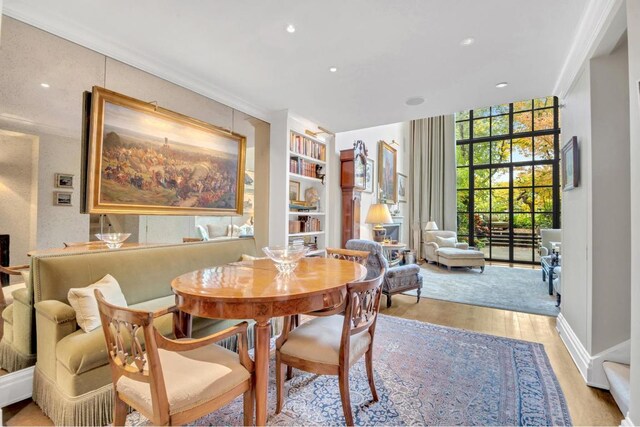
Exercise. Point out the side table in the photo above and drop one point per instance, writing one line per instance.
(390, 249)
(548, 268)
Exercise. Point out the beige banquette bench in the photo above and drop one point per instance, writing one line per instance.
(72, 381)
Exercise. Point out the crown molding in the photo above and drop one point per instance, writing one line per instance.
(592, 28)
(86, 37)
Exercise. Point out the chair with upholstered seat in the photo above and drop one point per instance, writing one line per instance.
(442, 247)
(548, 235)
(433, 240)
(172, 381)
(348, 255)
(331, 345)
(396, 279)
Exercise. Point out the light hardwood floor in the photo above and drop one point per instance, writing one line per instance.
(588, 406)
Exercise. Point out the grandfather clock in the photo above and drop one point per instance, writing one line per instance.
(353, 166)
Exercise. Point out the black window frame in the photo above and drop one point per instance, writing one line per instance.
(534, 161)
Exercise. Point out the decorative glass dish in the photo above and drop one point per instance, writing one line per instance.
(285, 257)
(113, 240)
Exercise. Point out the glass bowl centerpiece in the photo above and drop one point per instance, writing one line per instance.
(285, 257)
(113, 240)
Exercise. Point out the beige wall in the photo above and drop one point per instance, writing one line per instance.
(398, 132)
(596, 215)
(611, 269)
(633, 31)
(18, 157)
(29, 57)
(576, 232)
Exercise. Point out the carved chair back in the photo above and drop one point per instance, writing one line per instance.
(128, 355)
(363, 304)
(348, 255)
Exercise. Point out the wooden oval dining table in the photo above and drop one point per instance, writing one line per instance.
(256, 290)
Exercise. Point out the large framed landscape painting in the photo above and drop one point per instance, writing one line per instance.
(387, 177)
(143, 159)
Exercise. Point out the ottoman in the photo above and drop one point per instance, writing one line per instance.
(454, 257)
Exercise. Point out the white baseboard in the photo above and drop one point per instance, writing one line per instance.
(627, 422)
(591, 366)
(577, 351)
(16, 386)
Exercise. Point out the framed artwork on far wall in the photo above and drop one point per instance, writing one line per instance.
(387, 173)
(64, 180)
(570, 165)
(62, 198)
(369, 176)
(402, 188)
(249, 180)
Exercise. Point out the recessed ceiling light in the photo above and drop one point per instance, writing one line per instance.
(414, 100)
(333, 69)
(502, 84)
(291, 28)
(45, 85)
(468, 41)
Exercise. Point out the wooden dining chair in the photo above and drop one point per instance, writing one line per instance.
(172, 381)
(344, 254)
(331, 345)
(348, 255)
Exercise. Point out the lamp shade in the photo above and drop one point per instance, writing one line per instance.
(431, 226)
(379, 214)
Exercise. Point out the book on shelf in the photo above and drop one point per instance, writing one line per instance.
(297, 242)
(301, 206)
(304, 224)
(307, 147)
(309, 242)
(302, 167)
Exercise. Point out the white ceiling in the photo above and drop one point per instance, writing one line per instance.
(386, 50)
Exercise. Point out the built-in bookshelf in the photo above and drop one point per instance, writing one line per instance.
(307, 170)
(306, 161)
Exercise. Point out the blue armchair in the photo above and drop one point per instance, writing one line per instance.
(396, 279)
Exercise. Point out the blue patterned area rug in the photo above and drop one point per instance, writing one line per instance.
(425, 375)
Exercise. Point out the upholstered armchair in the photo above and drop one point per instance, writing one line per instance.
(430, 243)
(396, 279)
(548, 235)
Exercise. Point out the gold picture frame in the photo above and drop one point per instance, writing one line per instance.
(387, 173)
(147, 160)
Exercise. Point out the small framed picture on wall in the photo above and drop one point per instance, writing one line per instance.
(402, 188)
(64, 180)
(369, 176)
(62, 198)
(570, 165)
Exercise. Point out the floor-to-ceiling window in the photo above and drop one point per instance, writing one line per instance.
(508, 177)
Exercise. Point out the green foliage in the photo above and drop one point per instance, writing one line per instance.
(532, 205)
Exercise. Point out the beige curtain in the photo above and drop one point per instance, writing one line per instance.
(427, 171)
